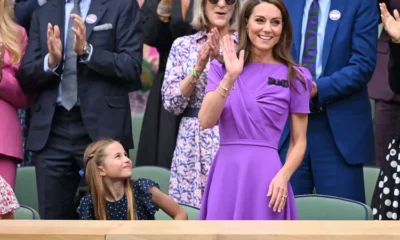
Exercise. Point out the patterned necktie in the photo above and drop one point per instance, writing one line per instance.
(310, 40)
(69, 82)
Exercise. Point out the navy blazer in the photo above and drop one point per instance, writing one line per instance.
(348, 62)
(23, 11)
(103, 83)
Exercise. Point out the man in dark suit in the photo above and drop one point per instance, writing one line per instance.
(336, 40)
(83, 58)
(23, 11)
(387, 103)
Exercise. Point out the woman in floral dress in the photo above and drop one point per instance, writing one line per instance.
(8, 201)
(183, 91)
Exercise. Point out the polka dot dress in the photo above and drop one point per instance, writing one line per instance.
(386, 199)
(145, 209)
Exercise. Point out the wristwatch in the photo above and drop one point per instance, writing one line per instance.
(86, 52)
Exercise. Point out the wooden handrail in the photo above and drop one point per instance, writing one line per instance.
(199, 230)
(257, 230)
(56, 230)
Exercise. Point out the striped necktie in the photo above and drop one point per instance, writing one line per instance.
(310, 40)
(69, 82)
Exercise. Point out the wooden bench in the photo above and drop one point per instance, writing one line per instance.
(199, 230)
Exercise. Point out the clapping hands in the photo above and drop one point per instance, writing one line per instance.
(210, 49)
(213, 42)
(54, 45)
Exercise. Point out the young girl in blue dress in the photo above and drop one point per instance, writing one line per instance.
(113, 195)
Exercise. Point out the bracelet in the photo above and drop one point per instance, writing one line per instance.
(164, 10)
(220, 84)
(194, 73)
(222, 94)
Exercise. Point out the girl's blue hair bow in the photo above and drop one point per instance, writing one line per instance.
(82, 173)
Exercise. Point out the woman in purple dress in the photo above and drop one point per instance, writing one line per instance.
(252, 93)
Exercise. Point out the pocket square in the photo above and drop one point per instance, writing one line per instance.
(102, 27)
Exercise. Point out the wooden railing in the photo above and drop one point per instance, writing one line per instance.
(199, 230)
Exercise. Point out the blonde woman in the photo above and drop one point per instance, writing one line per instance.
(13, 41)
(183, 92)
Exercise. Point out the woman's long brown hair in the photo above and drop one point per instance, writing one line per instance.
(281, 51)
(93, 158)
(10, 32)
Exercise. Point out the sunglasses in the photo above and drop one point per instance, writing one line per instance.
(228, 2)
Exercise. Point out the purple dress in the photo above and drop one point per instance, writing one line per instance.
(251, 125)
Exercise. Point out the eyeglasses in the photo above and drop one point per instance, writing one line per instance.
(228, 2)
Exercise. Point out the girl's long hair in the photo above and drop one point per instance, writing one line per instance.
(93, 158)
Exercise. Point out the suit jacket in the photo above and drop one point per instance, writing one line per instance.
(12, 98)
(23, 12)
(348, 61)
(378, 88)
(103, 83)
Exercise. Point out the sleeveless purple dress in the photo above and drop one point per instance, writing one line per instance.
(251, 125)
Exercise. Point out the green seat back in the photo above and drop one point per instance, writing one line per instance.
(157, 174)
(372, 102)
(371, 175)
(321, 207)
(137, 120)
(25, 187)
(26, 213)
(193, 213)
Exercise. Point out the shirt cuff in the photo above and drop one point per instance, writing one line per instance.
(46, 67)
(41, 2)
(87, 60)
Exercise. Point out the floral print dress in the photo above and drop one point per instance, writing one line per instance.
(195, 146)
(8, 201)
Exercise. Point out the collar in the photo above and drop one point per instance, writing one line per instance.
(200, 35)
(203, 34)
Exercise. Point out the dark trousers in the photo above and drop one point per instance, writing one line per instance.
(323, 166)
(386, 115)
(58, 164)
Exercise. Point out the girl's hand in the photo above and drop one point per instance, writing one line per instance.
(278, 191)
(167, 204)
